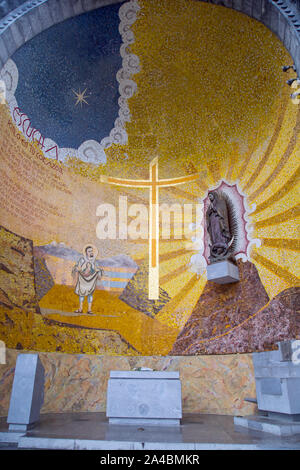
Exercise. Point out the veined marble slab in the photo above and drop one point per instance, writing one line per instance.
(144, 397)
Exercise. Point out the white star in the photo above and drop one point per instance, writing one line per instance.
(80, 97)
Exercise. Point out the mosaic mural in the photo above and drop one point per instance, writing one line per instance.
(114, 130)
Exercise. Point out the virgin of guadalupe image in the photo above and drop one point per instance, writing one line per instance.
(218, 227)
(86, 274)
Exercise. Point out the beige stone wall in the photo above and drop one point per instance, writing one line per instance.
(210, 384)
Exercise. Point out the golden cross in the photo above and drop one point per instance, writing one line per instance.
(153, 184)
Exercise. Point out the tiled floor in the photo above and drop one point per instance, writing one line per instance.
(92, 431)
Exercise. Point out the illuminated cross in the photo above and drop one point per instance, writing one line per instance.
(153, 184)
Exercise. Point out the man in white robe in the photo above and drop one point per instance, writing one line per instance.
(87, 274)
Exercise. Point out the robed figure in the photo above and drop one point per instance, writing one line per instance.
(218, 227)
(87, 273)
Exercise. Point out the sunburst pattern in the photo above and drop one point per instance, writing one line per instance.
(263, 161)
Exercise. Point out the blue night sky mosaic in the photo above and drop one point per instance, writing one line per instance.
(82, 53)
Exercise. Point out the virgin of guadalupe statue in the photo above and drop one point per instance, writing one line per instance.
(218, 227)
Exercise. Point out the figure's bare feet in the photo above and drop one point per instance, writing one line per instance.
(78, 311)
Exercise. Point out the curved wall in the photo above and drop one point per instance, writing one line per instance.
(215, 119)
(23, 22)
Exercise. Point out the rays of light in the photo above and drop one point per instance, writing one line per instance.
(285, 189)
(173, 274)
(285, 243)
(282, 162)
(280, 272)
(291, 213)
(250, 153)
(191, 169)
(184, 291)
(181, 194)
(270, 147)
(167, 256)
